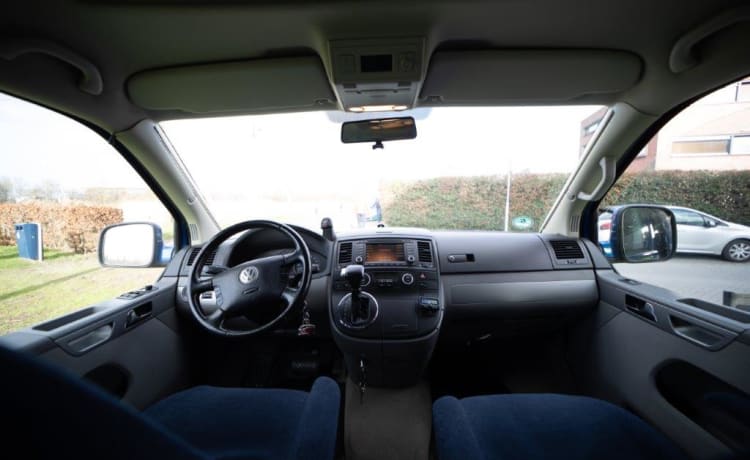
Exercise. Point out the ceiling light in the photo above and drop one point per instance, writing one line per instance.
(378, 108)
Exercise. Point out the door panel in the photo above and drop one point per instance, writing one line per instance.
(124, 346)
(150, 356)
(620, 354)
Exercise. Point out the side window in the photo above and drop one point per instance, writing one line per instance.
(60, 185)
(685, 217)
(697, 165)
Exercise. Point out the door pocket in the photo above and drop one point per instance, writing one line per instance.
(717, 407)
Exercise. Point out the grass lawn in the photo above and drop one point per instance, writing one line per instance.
(32, 292)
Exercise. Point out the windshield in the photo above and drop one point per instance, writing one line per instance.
(295, 169)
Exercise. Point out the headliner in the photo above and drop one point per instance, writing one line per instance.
(125, 38)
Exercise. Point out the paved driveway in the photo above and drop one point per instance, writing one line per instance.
(700, 277)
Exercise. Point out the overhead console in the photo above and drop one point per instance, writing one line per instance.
(386, 306)
(377, 74)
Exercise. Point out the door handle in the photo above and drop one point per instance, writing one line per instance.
(138, 314)
(698, 334)
(646, 311)
(640, 307)
(91, 339)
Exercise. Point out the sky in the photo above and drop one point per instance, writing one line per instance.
(299, 153)
(304, 149)
(39, 145)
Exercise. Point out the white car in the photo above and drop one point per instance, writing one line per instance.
(697, 233)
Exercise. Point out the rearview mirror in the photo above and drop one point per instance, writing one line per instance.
(642, 233)
(378, 131)
(136, 244)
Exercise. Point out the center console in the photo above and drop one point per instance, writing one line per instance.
(386, 307)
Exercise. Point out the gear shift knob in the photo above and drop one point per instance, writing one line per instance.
(354, 274)
(358, 309)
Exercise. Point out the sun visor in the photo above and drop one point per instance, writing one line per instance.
(528, 76)
(277, 84)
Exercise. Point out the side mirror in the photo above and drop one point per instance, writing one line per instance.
(710, 223)
(642, 233)
(136, 244)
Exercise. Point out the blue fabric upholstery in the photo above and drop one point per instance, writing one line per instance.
(543, 426)
(259, 423)
(55, 414)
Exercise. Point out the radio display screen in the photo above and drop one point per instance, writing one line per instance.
(384, 253)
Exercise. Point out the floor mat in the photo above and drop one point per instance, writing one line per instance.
(389, 424)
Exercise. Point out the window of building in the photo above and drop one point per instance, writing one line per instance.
(740, 145)
(743, 91)
(704, 146)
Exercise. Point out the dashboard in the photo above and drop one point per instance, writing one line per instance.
(419, 286)
(482, 276)
(386, 296)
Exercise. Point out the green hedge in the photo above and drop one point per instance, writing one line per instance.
(479, 202)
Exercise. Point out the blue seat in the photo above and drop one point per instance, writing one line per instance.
(54, 414)
(543, 426)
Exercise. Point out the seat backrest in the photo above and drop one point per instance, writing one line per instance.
(55, 414)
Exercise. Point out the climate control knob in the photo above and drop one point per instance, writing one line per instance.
(407, 279)
(366, 280)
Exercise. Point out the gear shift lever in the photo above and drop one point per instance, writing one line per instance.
(358, 313)
(354, 274)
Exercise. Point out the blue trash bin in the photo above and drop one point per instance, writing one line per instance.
(29, 240)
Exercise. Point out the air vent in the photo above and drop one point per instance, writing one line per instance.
(211, 258)
(575, 223)
(566, 249)
(194, 253)
(345, 253)
(424, 251)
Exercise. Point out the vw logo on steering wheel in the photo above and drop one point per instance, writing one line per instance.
(248, 275)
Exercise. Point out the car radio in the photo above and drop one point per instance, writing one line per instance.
(386, 252)
(390, 263)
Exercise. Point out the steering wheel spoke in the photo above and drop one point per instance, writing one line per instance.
(216, 319)
(200, 287)
(289, 296)
(298, 255)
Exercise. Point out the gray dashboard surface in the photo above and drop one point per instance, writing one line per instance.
(491, 252)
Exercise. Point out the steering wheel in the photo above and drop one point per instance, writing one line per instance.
(278, 281)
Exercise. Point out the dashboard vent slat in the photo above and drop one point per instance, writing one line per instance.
(194, 253)
(575, 224)
(345, 253)
(566, 249)
(424, 251)
(211, 257)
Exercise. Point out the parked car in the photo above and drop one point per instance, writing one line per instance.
(697, 233)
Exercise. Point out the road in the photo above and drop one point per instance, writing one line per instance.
(698, 277)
